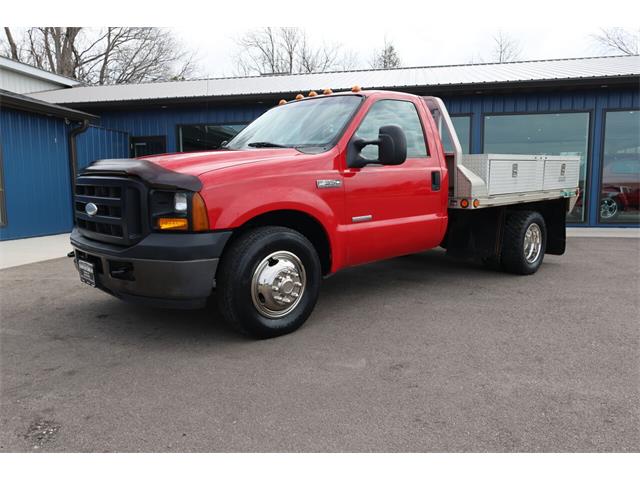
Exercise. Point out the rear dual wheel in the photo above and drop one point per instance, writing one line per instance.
(268, 281)
(524, 242)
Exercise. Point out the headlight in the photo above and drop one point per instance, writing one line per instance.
(182, 211)
(180, 202)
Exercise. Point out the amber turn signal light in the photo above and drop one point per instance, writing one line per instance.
(476, 203)
(173, 224)
(199, 215)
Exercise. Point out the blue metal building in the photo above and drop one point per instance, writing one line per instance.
(589, 107)
(36, 172)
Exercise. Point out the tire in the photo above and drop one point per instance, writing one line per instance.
(259, 276)
(524, 242)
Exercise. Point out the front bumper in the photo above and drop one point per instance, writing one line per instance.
(175, 270)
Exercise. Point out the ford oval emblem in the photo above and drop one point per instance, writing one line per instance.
(91, 209)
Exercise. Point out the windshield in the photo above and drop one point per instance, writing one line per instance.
(315, 123)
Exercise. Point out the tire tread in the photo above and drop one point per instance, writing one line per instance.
(230, 267)
(511, 257)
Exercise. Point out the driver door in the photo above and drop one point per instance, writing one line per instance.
(393, 210)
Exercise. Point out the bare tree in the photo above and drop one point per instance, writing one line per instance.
(111, 55)
(260, 52)
(349, 60)
(618, 40)
(506, 48)
(291, 40)
(284, 50)
(387, 57)
(13, 48)
(318, 59)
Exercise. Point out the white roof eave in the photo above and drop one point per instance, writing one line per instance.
(30, 71)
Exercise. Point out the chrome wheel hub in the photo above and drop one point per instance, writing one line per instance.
(608, 208)
(532, 243)
(278, 284)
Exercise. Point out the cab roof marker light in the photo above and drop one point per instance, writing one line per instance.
(282, 101)
(356, 89)
(327, 91)
(299, 96)
(312, 93)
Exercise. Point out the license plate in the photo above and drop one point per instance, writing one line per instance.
(87, 274)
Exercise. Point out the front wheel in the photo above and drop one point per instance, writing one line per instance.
(524, 242)
(268, 282)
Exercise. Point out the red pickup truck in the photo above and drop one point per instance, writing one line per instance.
(311, 187)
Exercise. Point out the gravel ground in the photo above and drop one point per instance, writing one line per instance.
(419, 353)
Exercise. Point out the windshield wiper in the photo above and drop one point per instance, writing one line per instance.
(265, 145)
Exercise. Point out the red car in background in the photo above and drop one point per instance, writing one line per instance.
(620, 186)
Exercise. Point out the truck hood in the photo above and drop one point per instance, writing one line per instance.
(183, 169)
(197, 163)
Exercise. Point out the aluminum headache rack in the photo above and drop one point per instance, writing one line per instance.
(492, 179)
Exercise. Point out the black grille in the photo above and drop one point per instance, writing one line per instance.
(121, 208)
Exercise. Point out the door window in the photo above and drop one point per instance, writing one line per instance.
(393, 112)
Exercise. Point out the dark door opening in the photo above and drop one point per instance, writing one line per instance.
(141, 146)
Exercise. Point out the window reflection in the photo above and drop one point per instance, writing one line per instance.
(620, 187)
(193, 138)
(542, 134)
(393, 112)
(462, 126)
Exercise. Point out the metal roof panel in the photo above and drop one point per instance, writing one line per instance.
(449, 75)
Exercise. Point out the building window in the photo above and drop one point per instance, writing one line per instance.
(143, 146)
(620, 185)
(542, 134)
(462, 125)
(194, 138)
(3, 210)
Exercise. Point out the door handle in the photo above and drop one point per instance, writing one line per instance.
(435, 181)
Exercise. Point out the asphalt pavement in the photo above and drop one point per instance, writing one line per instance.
(419, 353)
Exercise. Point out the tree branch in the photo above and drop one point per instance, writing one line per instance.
(12, 44)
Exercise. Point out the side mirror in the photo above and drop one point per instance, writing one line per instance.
(392, 148)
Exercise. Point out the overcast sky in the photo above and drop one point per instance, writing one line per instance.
(424, 33)
(417, 46)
